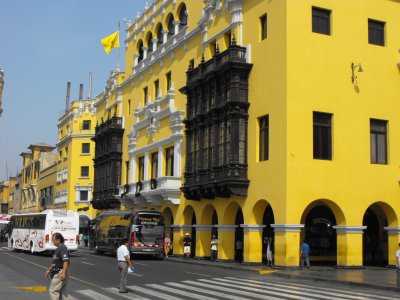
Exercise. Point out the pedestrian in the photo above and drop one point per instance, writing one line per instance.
(167, 245)
(304, 253)
(239, 250)
(81, 240)
(268, 242)
(58, 270)
(398, 266)
(214, 248)
(86, 239)
(124, 263)
(187, 242)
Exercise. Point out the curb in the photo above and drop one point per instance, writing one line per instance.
(334, 281)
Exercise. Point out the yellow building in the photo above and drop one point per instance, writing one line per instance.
(74, 175)
(12, 194)
(274, 118)
(47, 180)
(31, 161)
(4, 196)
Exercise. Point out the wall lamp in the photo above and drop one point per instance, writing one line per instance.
(355, 69)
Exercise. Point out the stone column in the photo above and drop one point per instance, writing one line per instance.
(160, 162)
(393, 243)
(287, 244)
(146, 166)
(203, 240)
(136, 59)
(165, 35)
(154, 41)
(252, 244)
(226, 241)
(145, 50)
(176, 28)
(349, 245)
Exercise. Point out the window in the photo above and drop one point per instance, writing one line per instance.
(60, 155)
(263, 27)
(85, 171)
(84, 195)
(85, 148)
(154, 165)
(376, 32)
(141, 168)
(264, 138)
(156, 88)
(145, 95)
(322, 136)
(378, 141)
(321, 20)
(86, 125)
(128, 168)
(169, 161)
(129, 106)
(168, 79)
(66, 152)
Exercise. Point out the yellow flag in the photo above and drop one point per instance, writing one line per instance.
(111, 41)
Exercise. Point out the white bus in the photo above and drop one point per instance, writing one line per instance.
(33, 231)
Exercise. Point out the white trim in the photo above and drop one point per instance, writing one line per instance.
(350, 229)
(226, 227)
(392, 230)
(287, 227)
(203, 227)
(252, 227)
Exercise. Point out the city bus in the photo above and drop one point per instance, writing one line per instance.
(144, 229)
(33, 231)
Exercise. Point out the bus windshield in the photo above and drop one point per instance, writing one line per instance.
(149, 228)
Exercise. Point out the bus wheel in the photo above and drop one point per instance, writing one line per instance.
(31, 249)
(13, 246)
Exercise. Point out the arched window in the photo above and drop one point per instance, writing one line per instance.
(159, 34)
(150, 43)
(183, 16)
(171, 26)
(140, 51)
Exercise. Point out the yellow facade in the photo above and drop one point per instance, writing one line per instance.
(4, 196)
(32, 161)
(296, 74)
(75, 150)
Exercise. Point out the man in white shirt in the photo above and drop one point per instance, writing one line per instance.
(124, 263)
(398, 266)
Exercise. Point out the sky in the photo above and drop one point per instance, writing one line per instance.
(43, 45)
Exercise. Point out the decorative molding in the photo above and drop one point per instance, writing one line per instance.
(203, 227)
(287, 227)
(226, 227)
(392, 230)
(350, 229)
(252, 227)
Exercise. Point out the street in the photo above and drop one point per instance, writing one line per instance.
(97, 277)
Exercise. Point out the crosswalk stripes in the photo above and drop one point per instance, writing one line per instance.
(321, 290)
(233, 289)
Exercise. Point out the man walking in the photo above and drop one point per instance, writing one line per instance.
(124, 262)
(187, 241)
(58, 270)
(398, 266)
(214, 248)
(304, 253)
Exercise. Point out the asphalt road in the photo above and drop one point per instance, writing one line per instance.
(96, 277)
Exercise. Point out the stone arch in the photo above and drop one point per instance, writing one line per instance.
(139, 50)
(189, 218)
(319, 219)
(375, 239)
(182, 15)
(169, 21)
(159, 34)
(149, 42)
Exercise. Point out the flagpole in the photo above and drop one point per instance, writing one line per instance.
(119, 48)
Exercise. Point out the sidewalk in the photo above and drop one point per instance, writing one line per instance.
(369, 277)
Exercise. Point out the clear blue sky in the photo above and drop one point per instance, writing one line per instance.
(44, 44)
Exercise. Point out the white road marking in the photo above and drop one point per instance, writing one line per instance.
(86, 263)
(152, 293)
(199, 274)
(180, 292)
(93, 295)
(126, 296)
